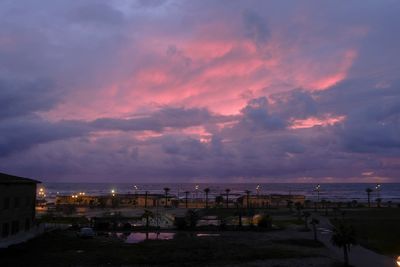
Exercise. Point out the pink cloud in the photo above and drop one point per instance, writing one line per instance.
(314, 121)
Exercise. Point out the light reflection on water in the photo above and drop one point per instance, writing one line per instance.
(133, 238)
(137, 237)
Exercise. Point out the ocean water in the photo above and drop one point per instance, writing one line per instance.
(331, 191)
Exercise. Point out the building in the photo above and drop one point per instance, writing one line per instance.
(118, 200)
(17, 209)
(274, 200)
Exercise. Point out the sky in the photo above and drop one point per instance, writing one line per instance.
(200, 91)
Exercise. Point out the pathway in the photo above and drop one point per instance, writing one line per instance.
(359, 256)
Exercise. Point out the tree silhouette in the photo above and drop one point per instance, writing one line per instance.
(314, 223)
(146, 195)
(306, 215)
(186, 198)
(147, 214)
(166, 190)
(248, 198)
(192, 217)
(299, 207)
(369, 191)
(343, 236)
(206, 191)
(227, 197)
(378, 202)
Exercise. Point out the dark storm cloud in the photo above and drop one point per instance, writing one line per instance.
(19, 97)
(100, 12)
(256, 27)
(166, 117)
(256, 115)
(19, 134)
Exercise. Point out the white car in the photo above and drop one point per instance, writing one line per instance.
(86, 232)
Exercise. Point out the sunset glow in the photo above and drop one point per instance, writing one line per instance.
(167, 90)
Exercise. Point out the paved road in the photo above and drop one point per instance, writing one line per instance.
(359, 256)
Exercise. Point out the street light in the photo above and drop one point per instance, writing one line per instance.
(378, 190)
(258, 187)
(318, 188)
(42, 193)
(113, 192)
(196, 187)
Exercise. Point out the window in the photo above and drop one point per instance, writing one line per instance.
(27, 224)
(14, 227)
(16, 202)
(5, 230)
(6, 203)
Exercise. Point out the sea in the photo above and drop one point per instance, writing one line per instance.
(329, 191)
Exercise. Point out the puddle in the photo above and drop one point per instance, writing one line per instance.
(137, 237)
(203, 235)
(133, 238)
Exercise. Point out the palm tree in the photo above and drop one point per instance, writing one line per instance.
(186, 198)
(325, 206)
(306, 215)
(343, 236)
(146, 194)
(206, 191)
(290, 205)
(369, 191)
(307, 203)
(248, 198)
(227, 196)
(146, 215)
(378, 202)
(166, 190)
(298, 208)
(314, 223)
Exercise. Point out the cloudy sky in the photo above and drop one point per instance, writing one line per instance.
(222, 90)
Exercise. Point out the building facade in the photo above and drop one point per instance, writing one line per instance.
(17, 208)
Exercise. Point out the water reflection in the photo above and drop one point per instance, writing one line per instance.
(137, 237)
(132, 238)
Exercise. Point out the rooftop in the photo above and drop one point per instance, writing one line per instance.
(12, 179)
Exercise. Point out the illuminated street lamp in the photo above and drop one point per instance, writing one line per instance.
(258, 187)
(196, 187)
(113, 192)
(378, 190)
(318, 189)
(42, 193)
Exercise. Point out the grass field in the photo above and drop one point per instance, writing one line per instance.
(377, 228)
(65, 249)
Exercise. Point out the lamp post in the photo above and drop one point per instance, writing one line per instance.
(196, 188)
(258, 188)
(136, 195)
(378, 190)
(317, 189)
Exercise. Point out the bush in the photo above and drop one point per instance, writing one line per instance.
(265, 222)
(180, 223)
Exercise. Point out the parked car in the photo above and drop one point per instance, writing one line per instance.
(86, 232)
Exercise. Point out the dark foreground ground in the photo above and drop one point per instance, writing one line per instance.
(230, 249)
(377, 228)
